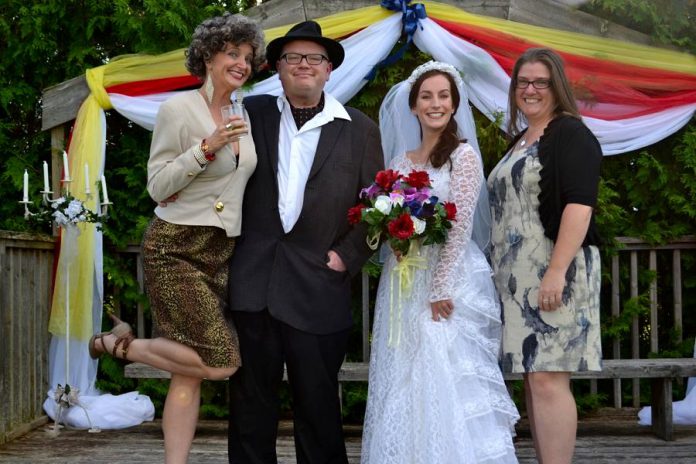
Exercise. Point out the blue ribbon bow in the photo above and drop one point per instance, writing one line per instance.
(411, 16)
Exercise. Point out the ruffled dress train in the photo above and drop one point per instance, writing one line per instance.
(436, 392)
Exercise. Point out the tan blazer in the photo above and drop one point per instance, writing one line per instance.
(209, 196)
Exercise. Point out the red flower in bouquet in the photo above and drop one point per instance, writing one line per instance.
(402, 227)
(355, 214)
(386, 178)
(418, 179)
(402, 211)
(450, 210)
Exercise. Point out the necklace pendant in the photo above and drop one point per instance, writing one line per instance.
(523, 142)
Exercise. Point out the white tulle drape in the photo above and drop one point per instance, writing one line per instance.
(487, 81)
(488, 87)
(363, 51)
(68, 357)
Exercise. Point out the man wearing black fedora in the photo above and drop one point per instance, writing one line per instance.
(290, 277)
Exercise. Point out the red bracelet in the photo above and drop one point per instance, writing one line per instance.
(209, 155)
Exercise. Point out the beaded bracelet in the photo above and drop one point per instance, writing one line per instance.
(199, 156)
(209, 155)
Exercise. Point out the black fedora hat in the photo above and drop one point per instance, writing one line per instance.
(308, 30)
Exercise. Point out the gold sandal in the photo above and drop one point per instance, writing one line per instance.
(124, 336)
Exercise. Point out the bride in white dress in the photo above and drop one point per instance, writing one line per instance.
(436, 394)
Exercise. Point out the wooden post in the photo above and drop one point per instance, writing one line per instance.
(677, 292)
(652, 263)
(661, 411)
(57, 147)
(615, 308)
(635, 329)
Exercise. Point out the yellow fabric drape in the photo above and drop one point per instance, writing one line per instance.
(132, 68)
(86, 148)
(572, 42)
(340, 24)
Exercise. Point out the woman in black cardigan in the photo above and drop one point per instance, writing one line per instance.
(544, 251)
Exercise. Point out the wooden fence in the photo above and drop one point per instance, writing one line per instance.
(665, 320)
(26, 265)
(648, 333)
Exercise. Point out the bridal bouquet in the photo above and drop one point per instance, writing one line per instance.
(401, 210)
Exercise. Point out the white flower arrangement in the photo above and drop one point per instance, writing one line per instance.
(69, 211)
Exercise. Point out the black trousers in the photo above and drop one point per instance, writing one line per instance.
(313, 362)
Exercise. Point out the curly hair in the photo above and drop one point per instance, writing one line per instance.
(213, 34)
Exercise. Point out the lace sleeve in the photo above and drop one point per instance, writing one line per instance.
(466, 179)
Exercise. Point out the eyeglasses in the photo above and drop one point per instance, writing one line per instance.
(537, 84)
(296, 58)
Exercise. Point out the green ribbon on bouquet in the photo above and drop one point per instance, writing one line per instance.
(404, 271)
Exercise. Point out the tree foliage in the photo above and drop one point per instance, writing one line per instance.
(48, 42)
(668, 22)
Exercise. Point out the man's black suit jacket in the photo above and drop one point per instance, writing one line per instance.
(287, 273)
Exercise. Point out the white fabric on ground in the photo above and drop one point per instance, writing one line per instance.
(683, 412)
(105, 411)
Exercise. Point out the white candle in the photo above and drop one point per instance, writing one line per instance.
(106, 195)
(25, 197)
(66, 169)
(47, 186)
(87, 190)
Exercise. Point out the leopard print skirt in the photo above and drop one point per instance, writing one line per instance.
(186, 272)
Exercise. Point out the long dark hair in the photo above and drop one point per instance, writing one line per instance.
(449, 138)
(562, 92)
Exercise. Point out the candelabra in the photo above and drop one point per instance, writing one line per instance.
(66, 212)
(47, 194)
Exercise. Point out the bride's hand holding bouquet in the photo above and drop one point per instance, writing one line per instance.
(402, 211)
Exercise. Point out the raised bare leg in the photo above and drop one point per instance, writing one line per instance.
(167, 355)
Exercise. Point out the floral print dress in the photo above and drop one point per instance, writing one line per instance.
(565, 340)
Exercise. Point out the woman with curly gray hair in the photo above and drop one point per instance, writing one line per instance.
(197, 172)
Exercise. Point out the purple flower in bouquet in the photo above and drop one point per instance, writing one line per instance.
(370, 192)
(401, 210)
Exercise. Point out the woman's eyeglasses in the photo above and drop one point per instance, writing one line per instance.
(296, 58)
(537, 84)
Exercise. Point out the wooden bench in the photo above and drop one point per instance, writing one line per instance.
(662, 371)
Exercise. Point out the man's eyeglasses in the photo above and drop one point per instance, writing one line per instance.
(537, 84)
(296, 58)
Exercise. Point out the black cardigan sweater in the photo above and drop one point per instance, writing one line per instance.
(570, 156)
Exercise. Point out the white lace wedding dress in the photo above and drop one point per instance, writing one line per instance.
(436, 393)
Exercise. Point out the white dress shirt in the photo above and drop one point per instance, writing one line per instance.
(296, 150)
